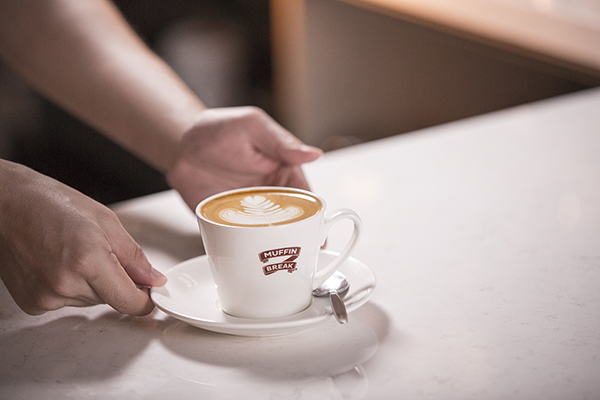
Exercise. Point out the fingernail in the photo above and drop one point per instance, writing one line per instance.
(306, 147)
(157, 274)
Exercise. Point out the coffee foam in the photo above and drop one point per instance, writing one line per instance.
(261, 208)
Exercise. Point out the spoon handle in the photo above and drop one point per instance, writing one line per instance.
(338, 307)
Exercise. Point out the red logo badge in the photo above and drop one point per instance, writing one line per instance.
(289, 264)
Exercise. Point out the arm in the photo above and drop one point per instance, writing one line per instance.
(84, 56)
(57, 246)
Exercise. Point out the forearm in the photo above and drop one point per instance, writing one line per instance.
(85, 56)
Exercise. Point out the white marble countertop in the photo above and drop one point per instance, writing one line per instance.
(484, 235)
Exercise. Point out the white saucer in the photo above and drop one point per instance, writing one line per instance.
(190, 296)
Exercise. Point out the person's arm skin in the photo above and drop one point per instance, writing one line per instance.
(58, 247)
(84, 56)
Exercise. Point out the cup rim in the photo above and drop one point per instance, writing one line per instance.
(251, 188)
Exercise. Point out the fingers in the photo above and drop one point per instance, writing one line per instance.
(279, 144)
(131, 256)
(115, 288)
(291, 176)
(124, 274)
(137, 266)
(37, 294)
(75, 253)
(295, 154)
(100, 278)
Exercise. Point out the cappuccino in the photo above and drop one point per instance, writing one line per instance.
(263, 245)
(261, 207)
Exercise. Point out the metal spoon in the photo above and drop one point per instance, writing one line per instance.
(335, 286)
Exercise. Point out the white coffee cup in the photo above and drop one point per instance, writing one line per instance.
(262, 245)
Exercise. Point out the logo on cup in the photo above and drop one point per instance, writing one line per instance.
(289, 264)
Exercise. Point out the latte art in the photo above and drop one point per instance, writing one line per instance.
(258, 210)
(261, 207)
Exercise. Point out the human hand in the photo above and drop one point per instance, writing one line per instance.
(229, 148)
(60, 248)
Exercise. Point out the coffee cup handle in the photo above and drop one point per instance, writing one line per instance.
(323, 273)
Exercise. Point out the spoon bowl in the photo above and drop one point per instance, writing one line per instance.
(336, 286)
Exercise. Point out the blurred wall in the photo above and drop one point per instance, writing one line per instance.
(345, 74)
